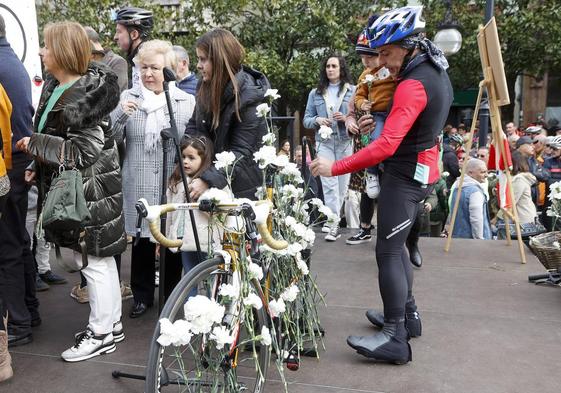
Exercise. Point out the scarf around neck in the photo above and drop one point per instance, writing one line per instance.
(155, 107)
(427, 47)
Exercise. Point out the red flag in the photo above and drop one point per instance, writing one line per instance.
(495, 159)
(496, 162)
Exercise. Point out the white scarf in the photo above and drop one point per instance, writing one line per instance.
(154, 105)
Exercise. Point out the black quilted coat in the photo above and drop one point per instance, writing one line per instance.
(80, 121)
(243, 138)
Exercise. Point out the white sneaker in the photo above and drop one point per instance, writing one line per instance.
(118, 332)
(88, 345)
(325, 228)
(333, 234)
(372, 186)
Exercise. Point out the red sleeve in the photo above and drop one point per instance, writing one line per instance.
(410, 99)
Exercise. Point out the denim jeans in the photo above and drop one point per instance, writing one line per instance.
(380, 118)
(190, 260)
(334, 188)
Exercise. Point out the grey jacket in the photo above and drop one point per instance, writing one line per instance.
(80, 121)
(142, 172)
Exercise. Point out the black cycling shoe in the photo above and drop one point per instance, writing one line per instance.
(390, 345)
(412, 321)
(376, 318)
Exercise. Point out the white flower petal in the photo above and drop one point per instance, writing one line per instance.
(266, 338)
(252, 300)
(277, 307)
(263, 110)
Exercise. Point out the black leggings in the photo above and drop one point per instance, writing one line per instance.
(398, 203)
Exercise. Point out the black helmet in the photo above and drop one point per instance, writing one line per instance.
(137, 18)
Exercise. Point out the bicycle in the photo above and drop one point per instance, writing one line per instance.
(234, 356)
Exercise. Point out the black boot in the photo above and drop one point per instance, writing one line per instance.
(414, 254)
(390, 345)
(412, 321)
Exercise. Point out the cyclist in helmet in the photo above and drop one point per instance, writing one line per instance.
(133, 27)
(409, 148)
(450, 162)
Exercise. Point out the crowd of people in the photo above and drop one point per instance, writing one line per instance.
(381, 138)
(102, 115)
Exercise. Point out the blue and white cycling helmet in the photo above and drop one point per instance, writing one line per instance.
(395, 25)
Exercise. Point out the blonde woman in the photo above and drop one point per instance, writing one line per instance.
(73, 114)
(139, 119)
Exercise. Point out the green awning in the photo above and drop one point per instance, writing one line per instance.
(465, 97)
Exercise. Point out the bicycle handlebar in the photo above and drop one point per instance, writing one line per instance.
(153, 213)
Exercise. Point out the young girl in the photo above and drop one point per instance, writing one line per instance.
(196, 155)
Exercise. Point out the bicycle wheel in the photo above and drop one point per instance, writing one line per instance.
(189, 368)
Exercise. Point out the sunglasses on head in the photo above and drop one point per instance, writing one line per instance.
(201, 139)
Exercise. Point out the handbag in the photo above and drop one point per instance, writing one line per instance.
(65, 212)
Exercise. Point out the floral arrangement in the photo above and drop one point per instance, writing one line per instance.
(291, 295)
(554, 210)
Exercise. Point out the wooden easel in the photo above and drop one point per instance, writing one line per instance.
(498, 138)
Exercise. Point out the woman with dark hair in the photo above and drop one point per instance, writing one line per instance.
(72, 121)
(226, 112)
(328, 106)
(284, 148)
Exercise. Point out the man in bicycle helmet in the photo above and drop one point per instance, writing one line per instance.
(133, 27)
(409, 148)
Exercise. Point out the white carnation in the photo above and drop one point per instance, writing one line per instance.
(290, 191)
(263, 110)
(221, 336)
(202, 312)
(224, 159)
(265, 156)
(255, 271)
(252, 300)
(177, 333)
(230, 290)
(277, 307)
(290, 221)
(266, 336)
(325, 132)
(269, 139)
(292, 172)
(281, 160)
(272, 93)
(302, 265)
(294, 248)
(290, 293)
(316, 202)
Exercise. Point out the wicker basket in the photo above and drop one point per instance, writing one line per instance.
(547, 253)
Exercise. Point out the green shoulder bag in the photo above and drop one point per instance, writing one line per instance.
(65, 205)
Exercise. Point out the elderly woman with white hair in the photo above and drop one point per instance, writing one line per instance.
(139, 119)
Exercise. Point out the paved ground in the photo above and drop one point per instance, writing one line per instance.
(485, 329)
